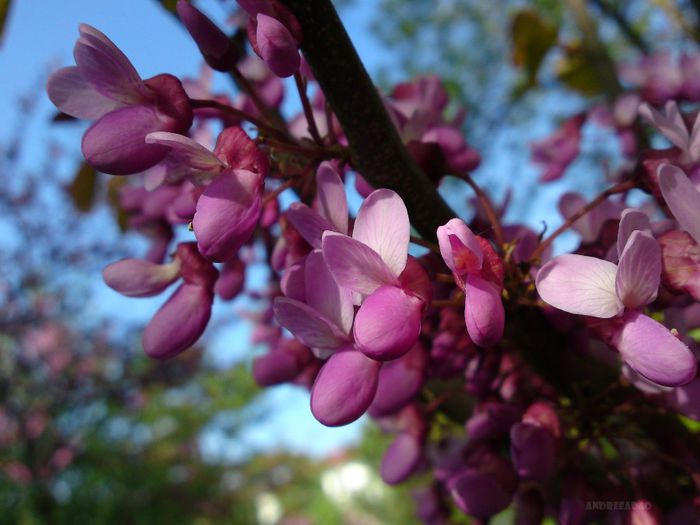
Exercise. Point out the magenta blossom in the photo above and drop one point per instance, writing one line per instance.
(182, 319)
(479, 272)
(275, 35)
(230, 206)
(371, 264)
(105, 87)
(593, 287)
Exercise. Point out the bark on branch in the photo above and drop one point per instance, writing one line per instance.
(377, 150)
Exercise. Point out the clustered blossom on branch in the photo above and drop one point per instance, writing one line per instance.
(506, 374)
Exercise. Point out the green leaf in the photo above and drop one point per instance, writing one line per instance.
(532, 37)
(690, 424)
(578, 72)
(168, 5)
(4, 12)
(83, 189)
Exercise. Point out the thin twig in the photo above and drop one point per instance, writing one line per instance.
(308, 112)
(262, 126)
(425, 244)
(487, 204)
(617, 188)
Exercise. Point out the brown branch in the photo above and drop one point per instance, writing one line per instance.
(377, 150)
(617, 188)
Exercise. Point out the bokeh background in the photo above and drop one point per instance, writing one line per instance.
(91, 431)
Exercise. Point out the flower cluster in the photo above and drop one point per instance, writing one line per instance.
(505, 374)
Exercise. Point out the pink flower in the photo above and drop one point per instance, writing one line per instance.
(105, 87)
(479, 272)
(180, 322)
(593, 287)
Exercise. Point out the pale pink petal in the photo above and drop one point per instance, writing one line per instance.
(308, 223)
(631, 220)
(292, 283)
(331, 199)
(483, 311)
(139, 278)
(579, 284)
(670, 125)
(72, 95)
(354, 265)
(325, 296)
(653, 351)
(639, 270)
(106, 68)
(382, 224)
(682, 198)
(344, 388)
(186, 151)
(590, 224)
(388, 323)
(308, 326)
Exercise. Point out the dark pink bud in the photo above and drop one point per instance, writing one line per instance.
(401, 458)
(492, 420)
(179, 323)
(218, 50)
(194, 268)
(399, 381)
(277, 46)
(281, 365)
(483, 492)
(238, 151)
(532, 449)
(529, 507)
(483, 311)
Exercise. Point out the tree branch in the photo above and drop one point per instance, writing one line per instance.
(376, 148)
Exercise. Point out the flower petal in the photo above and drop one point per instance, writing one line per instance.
(308, 223)
(72, 95)
(344, 388)
(355, 265)
(670, 124)
(227, 213)
(382, 224)
(179, 323)
(483, 311)
(184, 150)
(278, 47)
(399, 381)
(630, 221)
(308, 326)
(459, 247)
(116, 144)
(106, 68)
(139, 278)
(653, 351)
(331, 199)
(639, 271)
(401, 458)
(388, 323)
(325, 296)
(682, 198)
(581, 285)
